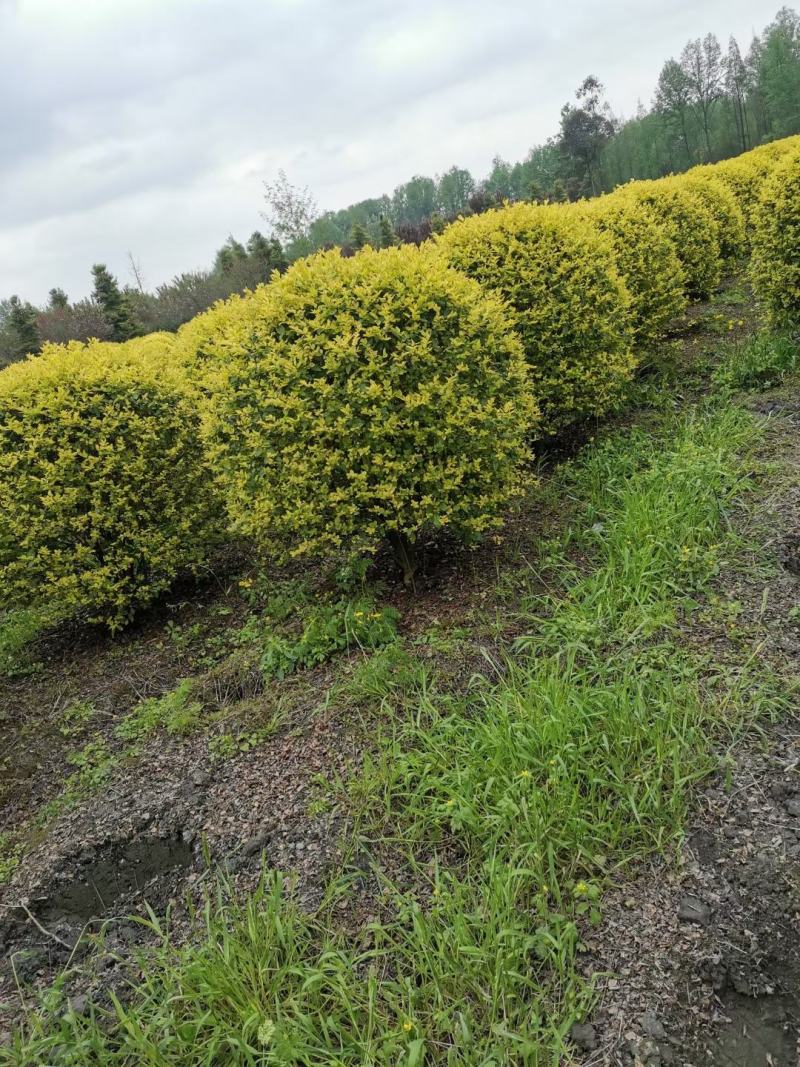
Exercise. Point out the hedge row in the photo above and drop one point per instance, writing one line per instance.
(358, 400)
(105, 494)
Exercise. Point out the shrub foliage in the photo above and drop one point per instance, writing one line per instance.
(104, 491)
(365, 398)
(776, 244)
(360, 399)
(690, 225)
(724, 207)
(558, 273)
(647, 261)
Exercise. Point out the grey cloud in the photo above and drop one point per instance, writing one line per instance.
(150, 124)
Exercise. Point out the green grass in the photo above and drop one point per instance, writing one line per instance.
(19, 629)
(327, 630)
(175, 711)
(762, 361)
(507, 809)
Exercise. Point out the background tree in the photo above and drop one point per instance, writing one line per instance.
(499, 182)
(24, 328)
(387, 235)
(701, 61)
(584, 131)
(231, 253)
(58, 299)
(454, 188)
(291, 210)
(358, 236)
(115, 304)
(267, 254)
(736, 85)
(778, 71)
(559, 191)
(414, 200)
(673, 101)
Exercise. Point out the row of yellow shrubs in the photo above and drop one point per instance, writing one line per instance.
(358, 400)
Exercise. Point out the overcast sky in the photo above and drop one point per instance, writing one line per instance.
(149, 125)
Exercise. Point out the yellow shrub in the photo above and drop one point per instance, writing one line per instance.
(573, 311)
(646, 260)
(723, 205)
(744, 176)
(104, 492)
(353, 400)
(690, 226)
(775, 263)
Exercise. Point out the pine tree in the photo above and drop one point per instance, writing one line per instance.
(58, 299)
(115, 304)
(559, 191)
(26, 339)
(231, 253)
(387, 234)
(267, 253)
(358, 236)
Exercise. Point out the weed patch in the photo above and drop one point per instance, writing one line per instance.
(761, 362)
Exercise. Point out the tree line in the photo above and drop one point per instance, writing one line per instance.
(708, 104)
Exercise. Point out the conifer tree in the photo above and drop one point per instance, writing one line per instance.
(559, 191)
(58, 299)
(387, 234)
(24, 326)
(267, 252)
(358, 236)
(114, 303)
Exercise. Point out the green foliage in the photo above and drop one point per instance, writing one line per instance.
(105, 494)
(225, 746)
(387, 234)
(724, 208)
(572, 309)
(762, 361)
(359, 399)
(10, 855)
(646, 259)
(776, 244)
(116, 305)
(176, 712)
(328, 629)
(19, 628)
(690, 226)
(94, 763)
(358, 236)
(584, 131)
(58, 299)
(75, 717)
(24, 328)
